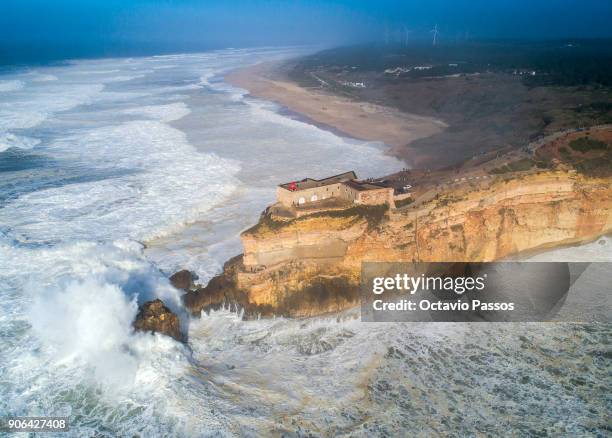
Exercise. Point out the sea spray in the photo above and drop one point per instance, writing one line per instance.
(88, 321)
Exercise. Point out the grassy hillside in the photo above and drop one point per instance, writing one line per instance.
(492, 94)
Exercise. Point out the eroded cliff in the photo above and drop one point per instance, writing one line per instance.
(311, 265)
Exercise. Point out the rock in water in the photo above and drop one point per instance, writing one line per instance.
(183, 280)
(156, 317)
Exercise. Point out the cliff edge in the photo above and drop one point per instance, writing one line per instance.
(310, 265)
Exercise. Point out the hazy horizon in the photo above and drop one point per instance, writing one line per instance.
(35, 30)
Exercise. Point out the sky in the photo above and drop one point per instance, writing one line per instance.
(57, 29)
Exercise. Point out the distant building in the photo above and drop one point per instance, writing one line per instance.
(353, 84)
(344, 186)
(397, 70)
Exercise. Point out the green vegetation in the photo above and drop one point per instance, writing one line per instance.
(599, 167)
(403, 202)
(597, 164)
(445, 200)
(266, 222)
(542, 164)
(586, 144)
(594, 107)
(373, 214)
(594, 113)
(521, 165)
(555, 63)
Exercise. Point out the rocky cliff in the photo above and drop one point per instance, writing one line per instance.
(311, 265)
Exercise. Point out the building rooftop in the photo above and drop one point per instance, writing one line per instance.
(363, 186)
(308, 183)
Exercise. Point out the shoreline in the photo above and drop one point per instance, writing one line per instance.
(301, 117)
(340, 115)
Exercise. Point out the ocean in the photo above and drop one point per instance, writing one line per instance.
(115, 173)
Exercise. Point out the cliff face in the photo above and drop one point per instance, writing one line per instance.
(311, 265)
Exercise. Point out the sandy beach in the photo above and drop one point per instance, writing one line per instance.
(360, 120)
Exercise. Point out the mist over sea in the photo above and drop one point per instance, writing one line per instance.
(114, 173)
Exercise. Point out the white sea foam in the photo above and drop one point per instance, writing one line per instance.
(164, 113)
(177, 88)
(236, 94)
(12, 85)
(94, 72)
(80, 300)
(204, 79)
(41, 77)
(98, 316)
(20, 119)
(161, 184)
(8, 140)
(118, 263)
(34, 107)
(123, 78)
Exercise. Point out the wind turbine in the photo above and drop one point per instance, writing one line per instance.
(435, 33)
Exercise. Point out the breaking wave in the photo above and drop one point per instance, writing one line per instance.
(8, 140)
(163, 113)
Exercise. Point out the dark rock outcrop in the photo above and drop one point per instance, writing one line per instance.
(315, 295)
(183, 279)
(154, 316)
(220, 291)
(212, 297)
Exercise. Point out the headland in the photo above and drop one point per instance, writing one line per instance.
(303, 257)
